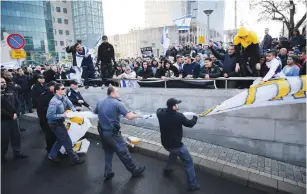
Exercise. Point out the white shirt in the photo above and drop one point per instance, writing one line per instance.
(273, 65)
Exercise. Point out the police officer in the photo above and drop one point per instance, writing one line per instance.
(106, 56)
(171, 123)
(55, 116)
(9, 123)
(75, 96)
(42, 107)
(109, 111)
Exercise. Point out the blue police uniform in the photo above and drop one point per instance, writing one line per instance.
(109, 111)
(57, 106)
(74, 96)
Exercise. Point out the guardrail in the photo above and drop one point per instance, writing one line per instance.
(157, 80)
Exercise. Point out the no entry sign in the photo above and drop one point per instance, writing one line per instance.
(16, 41)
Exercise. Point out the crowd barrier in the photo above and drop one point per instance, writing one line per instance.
(149, 81)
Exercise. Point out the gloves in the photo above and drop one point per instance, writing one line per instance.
(80, 101)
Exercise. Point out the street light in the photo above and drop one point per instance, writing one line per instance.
(208, 12)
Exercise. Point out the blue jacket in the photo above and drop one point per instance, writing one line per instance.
(294, 71)
(229, 62)
(191, 69)
(57, 106)
(75, 96)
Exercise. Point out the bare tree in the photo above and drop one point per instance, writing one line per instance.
(281, 10)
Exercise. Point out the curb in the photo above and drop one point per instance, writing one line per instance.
(204, 164)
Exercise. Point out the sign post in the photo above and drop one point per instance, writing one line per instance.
(17, 42)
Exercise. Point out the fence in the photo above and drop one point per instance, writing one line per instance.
(185, 80)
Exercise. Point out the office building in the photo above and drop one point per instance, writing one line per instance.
(130, 44)
(88, 21)
(62, 27)
(33, 20)
(163, 12)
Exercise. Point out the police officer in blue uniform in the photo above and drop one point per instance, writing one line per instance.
(55, 116)
(75, 96)
(109, 111)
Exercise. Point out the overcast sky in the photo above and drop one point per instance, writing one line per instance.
(122, 15)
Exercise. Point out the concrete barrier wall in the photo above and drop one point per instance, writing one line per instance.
(278, 132)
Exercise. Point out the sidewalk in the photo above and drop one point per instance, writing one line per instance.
(252, 170)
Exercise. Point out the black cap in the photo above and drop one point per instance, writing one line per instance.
(104, 37)
(40, 77)
(172, 102)
(74, 82)
(48, 85)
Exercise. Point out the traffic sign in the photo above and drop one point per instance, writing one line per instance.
(16, 41)
(18, 54)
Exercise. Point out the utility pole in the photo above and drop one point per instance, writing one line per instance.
(235, 14)
(208, 12)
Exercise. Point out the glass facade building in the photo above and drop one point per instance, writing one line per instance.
(88, 21)
(33, 20)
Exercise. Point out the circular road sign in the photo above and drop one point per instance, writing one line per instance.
(16, 41)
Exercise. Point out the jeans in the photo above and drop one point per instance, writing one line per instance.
(115, 143)
(62, 139)
(187, 160)
(10, 131)
(106, 72)
(86, 74)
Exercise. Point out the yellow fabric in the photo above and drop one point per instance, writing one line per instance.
(78, 120)
(250, 39)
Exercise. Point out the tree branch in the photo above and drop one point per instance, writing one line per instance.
(299, 23)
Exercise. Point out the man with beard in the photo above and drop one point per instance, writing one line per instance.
(9, 123)
(106, 56)
(42, 107)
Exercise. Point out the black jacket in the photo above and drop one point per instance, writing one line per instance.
(72, 50)
(297, 40)
(105, 53)
(74, 97)
(213, 72)
(172, 71)
(37, 90)
(171, 52)
(148, 73)
(267, 42)
(23, 82)
(49, 75)
(171, 123)
(43, 103)
(9, 104)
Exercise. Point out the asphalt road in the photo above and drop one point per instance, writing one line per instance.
(37, 175)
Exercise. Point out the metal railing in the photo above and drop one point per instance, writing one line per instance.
(157, 80)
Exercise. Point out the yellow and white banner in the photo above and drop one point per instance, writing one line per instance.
(77, 125)
(291, 90)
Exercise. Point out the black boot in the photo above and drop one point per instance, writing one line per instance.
(138, 171)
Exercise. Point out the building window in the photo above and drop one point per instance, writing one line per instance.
(66, 21)
(64, 1)
(58, 9)
(55, 43)
(63, 55)
(61, 43)
(64, 10)
(59, 20)
(67, 32)
(60, 32)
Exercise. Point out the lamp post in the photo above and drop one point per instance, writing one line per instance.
(208, 12)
